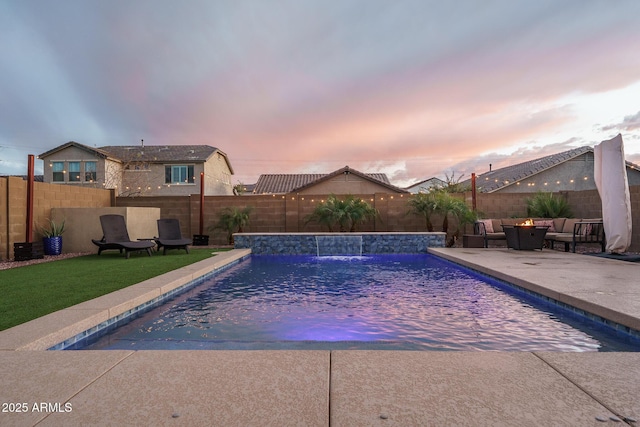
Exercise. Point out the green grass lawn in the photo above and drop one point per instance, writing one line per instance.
(32, 291)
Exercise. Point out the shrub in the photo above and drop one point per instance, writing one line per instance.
(546, 205)
(346, 214)
(233, 220)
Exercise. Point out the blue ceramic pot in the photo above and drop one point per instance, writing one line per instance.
(52, 245)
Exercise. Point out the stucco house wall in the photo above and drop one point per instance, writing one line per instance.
(217, 176)
(75, 154)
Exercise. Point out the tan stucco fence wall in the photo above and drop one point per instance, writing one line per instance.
(270, 213)
(278, 213)
(13, 207)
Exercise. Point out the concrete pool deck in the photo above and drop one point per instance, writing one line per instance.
(337, 388)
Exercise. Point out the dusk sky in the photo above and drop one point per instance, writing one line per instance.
(414, 89)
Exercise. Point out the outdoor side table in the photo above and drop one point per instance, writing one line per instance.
(472, 241)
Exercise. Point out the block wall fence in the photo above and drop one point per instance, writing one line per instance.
(13, 207)
(270, 213)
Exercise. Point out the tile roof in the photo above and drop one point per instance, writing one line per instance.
(503, 177)
(93, 150)
(286, 183)
(148, 153)
(427, 183)
(161, 153)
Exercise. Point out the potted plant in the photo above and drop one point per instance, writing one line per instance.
(52, 237)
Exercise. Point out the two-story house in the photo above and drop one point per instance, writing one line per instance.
(143, 170)
(571, 170)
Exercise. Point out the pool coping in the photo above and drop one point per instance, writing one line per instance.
(604, 289)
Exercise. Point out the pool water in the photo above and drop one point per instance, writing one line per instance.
(395, 302)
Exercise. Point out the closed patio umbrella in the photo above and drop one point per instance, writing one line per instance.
(610, 175)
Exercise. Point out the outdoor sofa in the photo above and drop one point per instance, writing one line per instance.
(569, 231)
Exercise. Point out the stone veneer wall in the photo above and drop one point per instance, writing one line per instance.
(305, 243)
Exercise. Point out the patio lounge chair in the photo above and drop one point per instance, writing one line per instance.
(116, 236)
(170, 236)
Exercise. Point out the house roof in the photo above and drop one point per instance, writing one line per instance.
(429, 182)
(161, 153)
(148, 153)
(95, 151)
(287, 183)
(491, 181)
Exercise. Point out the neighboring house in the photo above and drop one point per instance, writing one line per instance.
(570, 170)
(426, 185)
(144, 170)
(341, 181)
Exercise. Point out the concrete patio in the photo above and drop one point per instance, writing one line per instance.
(337, 388)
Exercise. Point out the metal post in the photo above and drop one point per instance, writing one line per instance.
(473, 191)
(30, 180)
(201, 229)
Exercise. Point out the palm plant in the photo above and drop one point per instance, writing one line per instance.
(423, 204)
(546, 205)
(359, 211)
(441, 202)
(345, 213)
(463, 215)
(233, 220)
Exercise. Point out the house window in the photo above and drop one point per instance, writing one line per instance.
(74, 171)
(58, 171)
(178, 174)
(90, 169)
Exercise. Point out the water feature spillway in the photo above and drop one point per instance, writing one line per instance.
(339, 245)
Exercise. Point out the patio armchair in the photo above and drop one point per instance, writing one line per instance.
(171, 236)
(116, 236)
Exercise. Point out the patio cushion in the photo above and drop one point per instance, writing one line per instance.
(558, 224)
(488, 225)
(497, 225)
(511, 221)
(569, 223)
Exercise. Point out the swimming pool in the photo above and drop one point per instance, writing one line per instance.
(395, 302)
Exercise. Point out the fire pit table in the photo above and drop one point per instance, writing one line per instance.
(525, 237)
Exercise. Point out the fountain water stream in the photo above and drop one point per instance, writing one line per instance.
(339, 245)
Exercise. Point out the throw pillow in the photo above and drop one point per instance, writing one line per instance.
(488, 225)
(546, 223)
